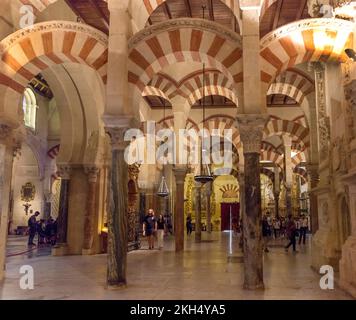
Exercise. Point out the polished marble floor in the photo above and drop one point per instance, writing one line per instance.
(201, 272)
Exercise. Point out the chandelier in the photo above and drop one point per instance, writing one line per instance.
(204, 175)
(163, 190)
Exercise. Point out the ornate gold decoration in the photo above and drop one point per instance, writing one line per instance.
(229, 191)
(28, 192)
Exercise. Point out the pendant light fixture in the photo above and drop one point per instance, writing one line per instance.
(163, 190)
(204, 175)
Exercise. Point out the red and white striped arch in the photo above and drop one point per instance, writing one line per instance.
(142, 9)
(269, 155)
(298, 158)
(292, 84)
(319, 39)
(295, 130)
(29, 51)
(265, 6)
(210, 91)
(183, 40)
(153, 91)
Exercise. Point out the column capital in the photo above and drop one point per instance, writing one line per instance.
(251, 128)
(65, 171)
(92, 172)
(179, 174)
(116, 127)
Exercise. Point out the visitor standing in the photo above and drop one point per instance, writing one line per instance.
(32, 225)
(149, 227)
(189, 225)
(303, 229)
(160, 231)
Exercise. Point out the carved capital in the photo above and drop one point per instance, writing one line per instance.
(64, 171)
(179, 174)
(117, 136)
(92, 172)
(134, 170)
(251, 128)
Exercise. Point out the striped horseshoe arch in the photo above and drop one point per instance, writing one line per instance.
(29, 51)
(302, 41)
(181, 40)
(269, 155)
(302, 173)
(292, 84)
(142, 9)
(295, 130)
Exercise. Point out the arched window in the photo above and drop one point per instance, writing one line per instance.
(29, 105)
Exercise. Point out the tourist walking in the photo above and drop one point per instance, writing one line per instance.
(149, 228)
(291, 231)
(32, 228)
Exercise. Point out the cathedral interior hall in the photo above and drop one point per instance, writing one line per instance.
(178, 149)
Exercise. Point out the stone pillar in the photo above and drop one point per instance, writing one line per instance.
(241, 180)
(251, 128)
(179, 173)
(6, 163)
(313, 180)
(92, 172)
(117, 213)
(276, 191)
(198, 211)
(62, 220)
(133, 206)
(208, 190)
(288, 172)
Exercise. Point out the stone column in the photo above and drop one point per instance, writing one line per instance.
(92, 172)
(117, 213)
(198, 211)
(6, 163)
(251, 128)
(62, 220)
(208, 190)
(288, 172)
(276, 191)
(313, 179)
(179, 173)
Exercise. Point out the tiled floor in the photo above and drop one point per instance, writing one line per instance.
(201, 272)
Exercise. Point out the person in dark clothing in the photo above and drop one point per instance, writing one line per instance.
(41, 228)
(265, 232)
(50, 232)
(189, 225)
(32, 225)
(149, 228)
(291, 231)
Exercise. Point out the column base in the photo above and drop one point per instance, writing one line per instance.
(87, 252)
(259, 286)
(235, 258)
(119, 285)
(60, 250)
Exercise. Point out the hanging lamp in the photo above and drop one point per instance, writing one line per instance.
(163, 190)
(204, 175)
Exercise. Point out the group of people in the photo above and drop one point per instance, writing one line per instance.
(289, 228)
(155, 228)
(46, 230)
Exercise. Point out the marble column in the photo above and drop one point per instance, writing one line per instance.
(179, 173)
(62, 220)
(7, 144)
(276, 191)
(198, 211)
(117, 213)
(313, 180)
(288, 174)
(208, 191)
(251, 128)
(92, 173)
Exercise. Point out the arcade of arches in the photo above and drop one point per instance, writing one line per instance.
(275, 73)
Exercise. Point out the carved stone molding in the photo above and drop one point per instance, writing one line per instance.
(350, 96)
(134, 170)
(64, 171)
(202, 24)
(251, 128)
(179, 174)
(92, 172)
(19, 35)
